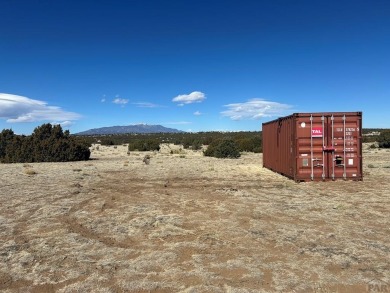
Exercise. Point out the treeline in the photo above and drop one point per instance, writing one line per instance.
(373, 134)
(246, 141)
(46, 144)
(378, 135)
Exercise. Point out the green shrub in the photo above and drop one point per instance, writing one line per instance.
(6, 137)
(196, 145)
(384, 139)
(107, 141)
(226, 148)
(210, 151)
(144, 145)
(46, 144)
(250, 144)
(192, 142)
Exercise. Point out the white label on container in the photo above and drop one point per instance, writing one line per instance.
(316, 132)
(305, 162)
(303, 124)
(304, 155)
(350, 161)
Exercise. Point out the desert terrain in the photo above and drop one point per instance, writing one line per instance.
(189, 223)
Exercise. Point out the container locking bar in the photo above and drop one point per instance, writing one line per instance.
(332, 119)
(311, 148)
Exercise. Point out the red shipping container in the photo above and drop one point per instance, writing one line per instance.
(315, 146)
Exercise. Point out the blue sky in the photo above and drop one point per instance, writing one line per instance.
(191, 65)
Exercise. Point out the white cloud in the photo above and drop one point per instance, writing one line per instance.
(120, 101)
(146, 105)
(16, 109)
(63, 123)
(103, 100)
(197, 113)
(194, 97)
(255, 109)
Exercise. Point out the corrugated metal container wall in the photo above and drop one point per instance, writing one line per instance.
(315, 146)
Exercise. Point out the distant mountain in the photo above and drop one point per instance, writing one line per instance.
(138, 128)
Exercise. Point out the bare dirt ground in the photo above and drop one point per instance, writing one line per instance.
(188, 223)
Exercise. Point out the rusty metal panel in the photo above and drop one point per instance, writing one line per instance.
(315, 146)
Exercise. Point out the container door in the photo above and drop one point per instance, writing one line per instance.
(343, 147)
(311, 157)
(329, 147)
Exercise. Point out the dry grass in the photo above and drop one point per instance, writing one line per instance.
(197, 224)
(29, 170)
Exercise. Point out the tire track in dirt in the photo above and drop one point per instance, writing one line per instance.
(75, 227)
(7, 282)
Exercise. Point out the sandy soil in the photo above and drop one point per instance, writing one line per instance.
(188, 223)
